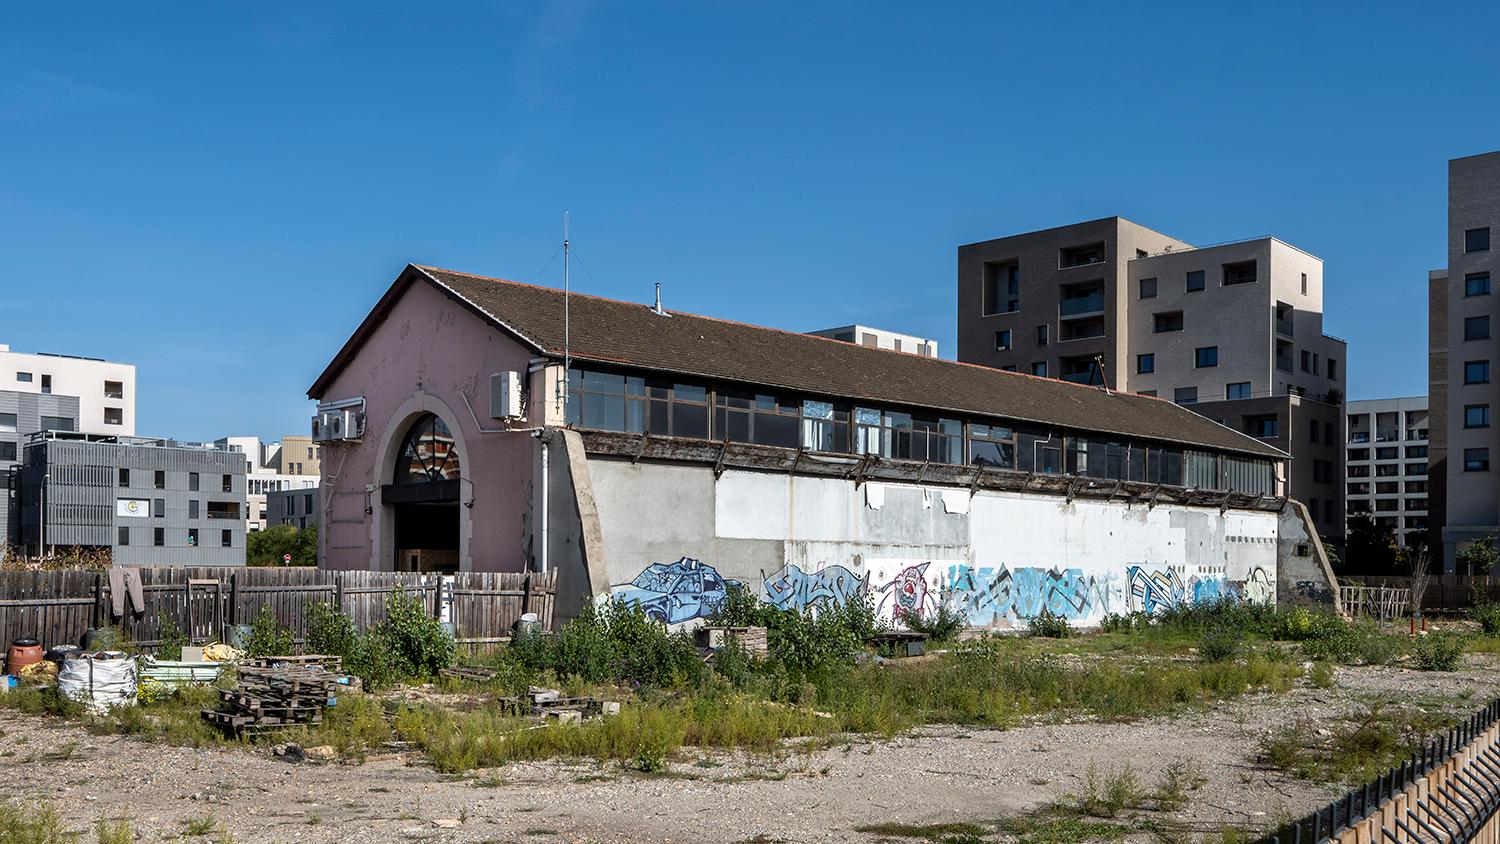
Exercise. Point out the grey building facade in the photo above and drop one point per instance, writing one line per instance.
(296, 507)
(21, 415)
(151, 501)
(1388, 465)
(1462, 294)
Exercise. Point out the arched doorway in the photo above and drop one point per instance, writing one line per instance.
(424, 497)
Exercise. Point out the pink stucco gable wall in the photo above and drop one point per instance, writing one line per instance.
(428, 353)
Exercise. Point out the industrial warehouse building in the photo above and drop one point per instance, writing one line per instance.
(477, 424)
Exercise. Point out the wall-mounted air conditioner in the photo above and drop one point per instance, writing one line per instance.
(346, 422)
(505, 395)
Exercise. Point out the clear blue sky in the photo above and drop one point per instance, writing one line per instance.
(219, 192)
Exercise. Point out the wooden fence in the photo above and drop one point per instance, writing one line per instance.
(57, 607)
(1383, 602)
(1445, 593)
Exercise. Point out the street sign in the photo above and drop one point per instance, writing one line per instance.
(286, 559)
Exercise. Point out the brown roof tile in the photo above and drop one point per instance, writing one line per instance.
(611, 331)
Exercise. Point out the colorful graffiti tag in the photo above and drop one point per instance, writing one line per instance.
(906, 595)
(676, 592)
(791, 588)
(1258, 588)
(1154, 592)
(991, 596)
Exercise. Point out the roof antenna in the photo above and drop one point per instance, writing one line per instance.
(1103, 379)
(567, 336)
(657, 308)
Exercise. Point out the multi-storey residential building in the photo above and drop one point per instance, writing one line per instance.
(263, 465)
(150, 501)
(21, 415)
(1386, 467)
(881, 339)
(295, 507)
(294, 456)
(1463, 311)
(105, 389)
(1234, 330)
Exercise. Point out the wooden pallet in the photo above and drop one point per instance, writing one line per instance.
(473, 675)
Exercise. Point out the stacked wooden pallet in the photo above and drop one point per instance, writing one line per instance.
(271, 697)
(549, 703)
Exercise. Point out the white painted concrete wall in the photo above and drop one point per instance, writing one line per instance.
(1001, 557)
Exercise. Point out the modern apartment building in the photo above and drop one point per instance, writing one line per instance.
(105, 389)
(295, 507)
(1464, 317)
(294, 456)
(881, 339)
(21, 415)
(150, 501)
(1387, 465)
(263, 465)
(1234, 330)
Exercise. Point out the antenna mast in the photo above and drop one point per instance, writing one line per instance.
(562, 386)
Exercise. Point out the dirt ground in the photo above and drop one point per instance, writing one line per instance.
(934, 776)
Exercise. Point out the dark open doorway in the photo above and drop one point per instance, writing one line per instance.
(424, 498)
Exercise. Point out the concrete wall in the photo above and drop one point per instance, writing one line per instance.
(1001, 557)
(450, 354)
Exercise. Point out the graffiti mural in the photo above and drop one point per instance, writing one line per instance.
(989, 596)
(1154, 592)
(906, 595)
(1258, 588)
(676, 592)
(1211, 589)
(791, 588)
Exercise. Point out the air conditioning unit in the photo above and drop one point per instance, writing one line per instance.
(505, 395)
(335, 425)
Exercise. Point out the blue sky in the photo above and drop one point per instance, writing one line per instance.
(219, 192)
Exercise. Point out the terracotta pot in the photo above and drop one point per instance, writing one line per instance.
(23, 652)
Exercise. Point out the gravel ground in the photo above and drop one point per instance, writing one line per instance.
(934, 776)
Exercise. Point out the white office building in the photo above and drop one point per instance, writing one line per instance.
(105, 389)
(1386, 464)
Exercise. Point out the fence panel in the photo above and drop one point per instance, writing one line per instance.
(364, 592)
(287, 592)
(487, 605)
(53, 607)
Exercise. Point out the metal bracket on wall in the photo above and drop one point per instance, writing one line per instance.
(1072, 491)
(923, 473)
(974, 484)
(859, 471)
(1155, 493)
(646, 438)
(1115, 491)
(719, 463)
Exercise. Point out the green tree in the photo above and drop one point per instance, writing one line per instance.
(269, 546)
(1478, 557)
(1370, 548)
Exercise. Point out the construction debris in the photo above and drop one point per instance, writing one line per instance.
(549, 703)
(753, 639)
(473, 675)
(276, 692)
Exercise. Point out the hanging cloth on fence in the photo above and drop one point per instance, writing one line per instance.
(122, 581)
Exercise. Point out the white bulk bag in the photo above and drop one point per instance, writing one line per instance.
(99, 683)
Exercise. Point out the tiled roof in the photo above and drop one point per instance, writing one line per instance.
(631, 334)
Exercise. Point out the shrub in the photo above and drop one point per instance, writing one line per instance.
(417, 643)
(1049, 625)
(1177, 779)
(942, 626)
(1488, 616)
(1128, 623)
(169, 637)
(1220, 644)
(267, 636)
(1107, 796)
(330, 632)
(39, 824)
(1439, 652)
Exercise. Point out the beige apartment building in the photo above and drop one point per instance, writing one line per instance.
(1233, 330)
(295, 456)
(1462, 320)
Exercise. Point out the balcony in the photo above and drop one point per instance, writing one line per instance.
(1359, 436)
(1082, 306)
(1387, 436)
(1418, 434)
(1078, 377)
(1284, 364)
(1284, 327)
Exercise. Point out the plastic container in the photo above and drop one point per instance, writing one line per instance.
(99, 681)
(23, 652)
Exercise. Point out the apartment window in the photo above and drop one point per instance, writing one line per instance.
(924, 349)
(1417, 487)
(1242, 272)
(992, 445)
(114, 416)
(1312, 433)
(1388, 453)
(1306, 361)
(23, 377)
(1361, 488)
(1388, 470)
(895, 344)
(1312, 509)
(1476, 416)
(229, 483)
(1165, 322)
(159, 508)
(1194, 281)
(1002, 288)
(46, 383)
(1148, 288)
(1477, 459)
(1304, 284)
(7, 450)
(1359, 471)
(58, 423)
(1322, 472)
(114, 389)
(1263, 427)
(226, 538)
(7, 423)
(1081, 256)
(1039, 368)
(1328, 433)
(1041, 335)
(1205, 357)
(192, 537)
(1185, 395)
(124, 477)
(1003, 340)
(158, 537)
(1237, 390)
(1477, 240)
(122, 536)
(1333, 369)
(865, 339)
(1416, 451)
(1145, 363)
(1416, 468)
(1476, 328)
(160, 479)
(1477, 372)
(1387, 487)
(1359, 454)
(307, 504)
(1477, 284)
(193, 508)
(1010, 367)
